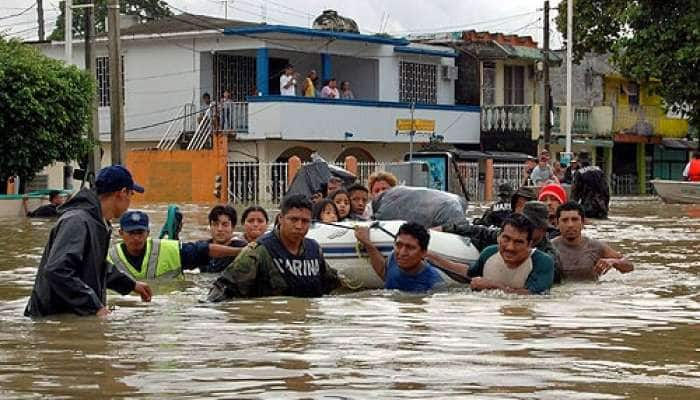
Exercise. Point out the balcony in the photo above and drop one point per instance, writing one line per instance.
(316, 119)
(511, 120)
(648, 121)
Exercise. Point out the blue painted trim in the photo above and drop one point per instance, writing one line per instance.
(359, 103)
(296, 30)
(425, 52)
(326, 67)
(262, 71)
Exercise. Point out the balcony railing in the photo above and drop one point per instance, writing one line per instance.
(511, 120)
(233, 116)
(648, 120)
(582, 120)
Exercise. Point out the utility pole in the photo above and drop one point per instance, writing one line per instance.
(547, 86)
(569, 72)
(115, 84)
(40, 19)
(68, 32)
(94, 155)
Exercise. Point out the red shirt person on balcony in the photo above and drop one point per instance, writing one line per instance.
(692, 169)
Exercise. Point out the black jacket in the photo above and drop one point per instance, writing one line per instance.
(74, 275)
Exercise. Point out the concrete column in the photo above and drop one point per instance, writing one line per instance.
(351, 164)
(220, 153)
(326, 67)
(641, 168)
(293, 166)
(488, 180)
(262, 72)
(608, 155)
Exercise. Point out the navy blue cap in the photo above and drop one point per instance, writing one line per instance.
(134, 221)
(115, 178)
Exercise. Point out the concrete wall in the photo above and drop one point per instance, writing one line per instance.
(330, 122)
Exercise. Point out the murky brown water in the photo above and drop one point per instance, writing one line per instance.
(628, 337)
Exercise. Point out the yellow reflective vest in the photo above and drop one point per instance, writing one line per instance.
(161, 261)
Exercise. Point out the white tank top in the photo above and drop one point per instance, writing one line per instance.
(496, 270)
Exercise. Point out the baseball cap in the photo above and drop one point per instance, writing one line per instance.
(538, 213)
(134, 221)
(115, 178)
(555, 190)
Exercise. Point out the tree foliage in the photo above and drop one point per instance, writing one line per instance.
(44, 110)
(145, 10)
(648, 39)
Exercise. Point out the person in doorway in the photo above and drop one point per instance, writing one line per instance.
(309, 87)
(691, 172)
(222, 223)
(254, 221)
(74, 274)
(288, 81)
(50, 210)
(326, 211)
(280, 263)
(345, 91)
(406, 268)
(553, 195)
(145, 258)
(590, 189)
(583, 258)
(499, 210)
(359, 198)
(513, 265)
(330, 90)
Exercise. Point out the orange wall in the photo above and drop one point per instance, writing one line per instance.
(180, 175)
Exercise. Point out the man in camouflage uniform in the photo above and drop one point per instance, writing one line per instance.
(483, 236)
(280, 263)
(500, 210)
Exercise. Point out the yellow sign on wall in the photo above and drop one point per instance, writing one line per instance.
(419, 125)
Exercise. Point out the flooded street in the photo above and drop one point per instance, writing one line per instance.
(635, 336)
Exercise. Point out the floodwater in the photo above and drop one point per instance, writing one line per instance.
(635, 336)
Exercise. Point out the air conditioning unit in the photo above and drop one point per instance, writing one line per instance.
(449, 72)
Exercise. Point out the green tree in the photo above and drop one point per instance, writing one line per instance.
(648, 39)
(146, 10)
(44, 110)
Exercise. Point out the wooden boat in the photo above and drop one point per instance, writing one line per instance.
(342, 253)
(677, 191)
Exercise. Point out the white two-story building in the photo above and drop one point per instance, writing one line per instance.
(169, 64)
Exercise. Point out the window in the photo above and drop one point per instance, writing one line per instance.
(514, 84)
(102, 77)
(417, 83)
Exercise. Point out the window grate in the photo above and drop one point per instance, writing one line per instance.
(102, 77)
(418, 83)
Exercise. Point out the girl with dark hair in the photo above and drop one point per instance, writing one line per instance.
(325, 211)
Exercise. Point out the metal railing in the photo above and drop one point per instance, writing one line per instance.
(233, 116)
(582, 119)
(174, 131)
(507, 119)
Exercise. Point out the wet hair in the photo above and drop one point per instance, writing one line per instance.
(321, 205)
(520, 223)
(416, 230)
(53, 194)
(220, 210)
(295, 201)
(387, 177)
(333, 195)
(252, 209)
(571, 206)
(357, 187)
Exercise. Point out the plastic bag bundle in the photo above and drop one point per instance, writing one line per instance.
(428, 207)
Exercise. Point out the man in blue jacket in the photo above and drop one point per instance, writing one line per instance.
(73, 275)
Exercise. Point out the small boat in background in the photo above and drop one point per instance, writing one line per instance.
(677, 191)
(11, 204)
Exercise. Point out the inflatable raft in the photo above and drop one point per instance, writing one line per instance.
(342, 252)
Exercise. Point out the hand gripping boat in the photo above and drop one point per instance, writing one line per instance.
(341, 250)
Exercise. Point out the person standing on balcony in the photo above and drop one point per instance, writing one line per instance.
(226, 111)
(345, 91)
(692, 169)
(330, 91)
(309, 88)
(288, 82)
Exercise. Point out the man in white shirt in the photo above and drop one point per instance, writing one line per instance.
(288, 82)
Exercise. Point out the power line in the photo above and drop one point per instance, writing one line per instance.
(440, 28)
(19, 13)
